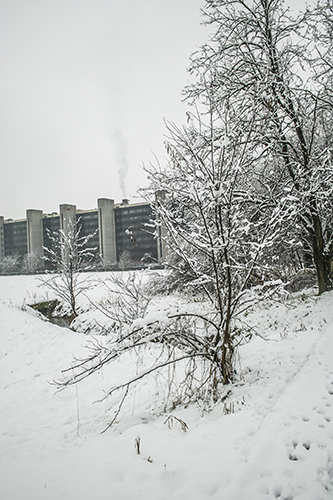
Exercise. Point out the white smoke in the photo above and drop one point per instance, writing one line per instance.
(120, 144)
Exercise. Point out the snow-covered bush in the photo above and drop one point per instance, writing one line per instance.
(127, 298)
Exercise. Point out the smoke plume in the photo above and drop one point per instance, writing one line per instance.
(120, 143)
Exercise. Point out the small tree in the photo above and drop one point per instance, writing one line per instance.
(125, 261)
(219, 227)
(32, 263)
(11, 264)
(68, 256)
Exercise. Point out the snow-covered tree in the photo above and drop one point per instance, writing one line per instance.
(68, 255)
(274, 73)
(125, 261)
(11, 264)
(32, 263)
(218, 225)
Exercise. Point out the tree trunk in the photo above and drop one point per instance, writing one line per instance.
(322, 262)
(226, 362)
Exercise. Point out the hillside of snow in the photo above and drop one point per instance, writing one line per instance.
(272, 437)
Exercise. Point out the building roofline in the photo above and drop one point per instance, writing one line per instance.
(86, 211)
(53, 214)
(78, 210)
(11, 221)
(121, 205)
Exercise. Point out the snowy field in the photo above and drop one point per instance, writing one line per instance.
(277, 442)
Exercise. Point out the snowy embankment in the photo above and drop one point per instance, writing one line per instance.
(277, 442)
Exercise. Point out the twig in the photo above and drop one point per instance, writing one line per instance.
(117, 412)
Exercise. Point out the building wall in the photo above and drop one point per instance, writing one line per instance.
(117, 229)
(132, 234)
(2, 242)
(51, 223)
(15, 238)
(87, 223)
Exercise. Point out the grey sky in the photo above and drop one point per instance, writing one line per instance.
(85, 85)
(84, 88)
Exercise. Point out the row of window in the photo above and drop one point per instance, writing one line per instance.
(93, 216)
(16, 233)
(141, 210)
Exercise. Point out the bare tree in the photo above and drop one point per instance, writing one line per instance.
(69, 255)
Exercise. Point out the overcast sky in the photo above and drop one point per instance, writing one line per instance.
(84, 90)
(85, 86)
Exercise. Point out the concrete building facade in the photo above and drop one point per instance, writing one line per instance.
(15, 237)
(67, 216)
(2, 241)
(115, 228)
(107, 230)
(161, 230)
(35, 232)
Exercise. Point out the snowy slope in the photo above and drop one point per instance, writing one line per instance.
(278, 443)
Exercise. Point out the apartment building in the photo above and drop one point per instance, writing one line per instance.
(116, 229)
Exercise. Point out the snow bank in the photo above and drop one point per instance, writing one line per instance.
(276, 444)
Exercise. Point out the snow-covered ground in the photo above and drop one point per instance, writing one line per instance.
(277, 442)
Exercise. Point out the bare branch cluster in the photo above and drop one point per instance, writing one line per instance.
(182, 354)
(68, 255)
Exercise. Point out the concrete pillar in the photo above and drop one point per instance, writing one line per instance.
(107, 230)
(67, 222)
(67, 216)
(161, 230)
(2, 238)
(35, 232)
(34, 240)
